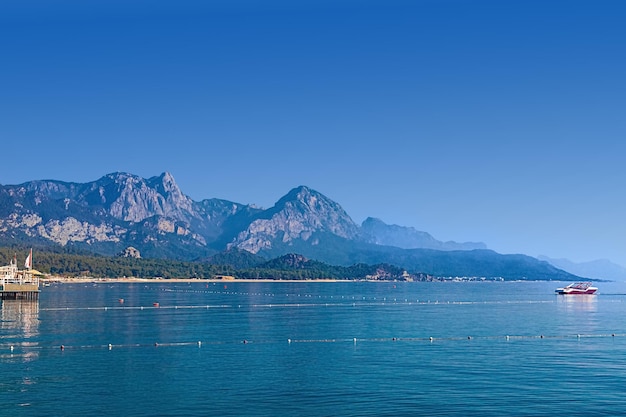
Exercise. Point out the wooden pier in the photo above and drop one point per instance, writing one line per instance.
(19, 292)
(18, 284)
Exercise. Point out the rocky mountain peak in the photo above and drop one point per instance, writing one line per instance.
(134, 199)
(298, 193)
(166, 186)
(297, 216)
(306, 199)
(124, 213)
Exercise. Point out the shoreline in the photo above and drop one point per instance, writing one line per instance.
(83, 280)
(63, 280)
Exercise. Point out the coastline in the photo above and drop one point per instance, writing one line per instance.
(65, 280)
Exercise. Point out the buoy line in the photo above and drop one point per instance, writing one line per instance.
(248, 293)
(16, 348)
(154, 306)
(159, 306)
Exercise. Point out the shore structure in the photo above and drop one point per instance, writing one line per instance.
(16, 284)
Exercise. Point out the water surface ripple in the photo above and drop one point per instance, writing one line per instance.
(314, 349)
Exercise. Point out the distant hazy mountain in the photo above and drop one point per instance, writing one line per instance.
(598, 269)
(377, 232)
(154, 217)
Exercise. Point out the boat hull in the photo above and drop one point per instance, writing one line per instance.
(577, 288)
(563, 292)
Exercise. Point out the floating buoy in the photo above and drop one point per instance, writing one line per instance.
(156, 344)
(355, 340)
(507, 338)
(11, 348)
(430, 338)
(62, 347)
(245, 342)
(199, 343)
(121, 301)
(469, 337)
(110, 346)
(288, 340)
(155, 304)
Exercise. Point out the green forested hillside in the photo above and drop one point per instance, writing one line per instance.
(71, 264)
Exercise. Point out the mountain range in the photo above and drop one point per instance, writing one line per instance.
(600, 268)
(157, 220)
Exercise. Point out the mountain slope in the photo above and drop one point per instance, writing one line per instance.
(600, 268)
(154, 216)
(377, 232)
(298, 216)
(113, 212)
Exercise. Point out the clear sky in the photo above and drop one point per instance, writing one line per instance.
(498, 121)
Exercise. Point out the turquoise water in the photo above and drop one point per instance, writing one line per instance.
(314, 349)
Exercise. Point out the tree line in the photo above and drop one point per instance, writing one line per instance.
(69, 263)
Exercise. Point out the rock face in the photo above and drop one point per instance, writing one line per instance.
(130, 252)
(121, 211)
(112, 212)
(297, 216)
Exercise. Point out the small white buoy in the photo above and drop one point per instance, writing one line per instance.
(289, 341)
(355, 340)
(578, 336)
(11, 348)
(430, 338)
(110, 346)
(507, 337)
(199, 343)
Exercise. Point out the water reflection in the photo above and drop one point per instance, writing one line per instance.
(579, 302)
(19, 324)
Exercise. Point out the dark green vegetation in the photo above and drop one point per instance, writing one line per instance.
(239, 264)
(455, 263)
(421, 264)
(89, 224)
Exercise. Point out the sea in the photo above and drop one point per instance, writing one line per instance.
(314, 349)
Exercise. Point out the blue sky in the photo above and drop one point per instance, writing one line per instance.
(494, 121)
